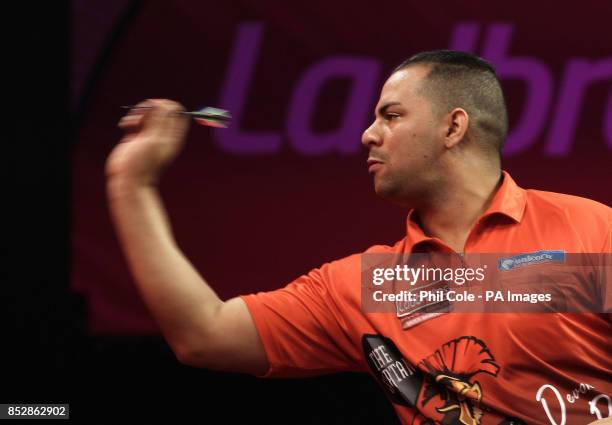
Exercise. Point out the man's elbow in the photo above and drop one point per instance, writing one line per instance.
(209, 357)
(222, 360)
(192, 356)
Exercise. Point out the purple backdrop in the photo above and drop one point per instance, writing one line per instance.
(286, 187)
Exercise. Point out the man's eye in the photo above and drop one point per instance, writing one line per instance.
(391, 116)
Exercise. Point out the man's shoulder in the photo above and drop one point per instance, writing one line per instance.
(575, 207)
(397, 247)
(354, 262)
(556, 216)
(342, 276)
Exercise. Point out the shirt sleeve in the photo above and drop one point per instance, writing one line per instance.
(303, 326)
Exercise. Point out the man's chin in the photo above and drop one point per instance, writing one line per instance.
(391, 194)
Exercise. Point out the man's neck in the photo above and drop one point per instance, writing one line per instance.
(452, 213)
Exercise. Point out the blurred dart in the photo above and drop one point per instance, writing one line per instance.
(208, 116)
(212, 117)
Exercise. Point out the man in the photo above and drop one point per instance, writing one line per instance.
(434, 147)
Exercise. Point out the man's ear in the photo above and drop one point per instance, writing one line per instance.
(457, 125)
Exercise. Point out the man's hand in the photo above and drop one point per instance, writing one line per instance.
(154, 136)
(201, 329)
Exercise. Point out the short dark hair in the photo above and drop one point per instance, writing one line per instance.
(463, 80)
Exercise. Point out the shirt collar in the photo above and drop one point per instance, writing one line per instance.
(509, 201)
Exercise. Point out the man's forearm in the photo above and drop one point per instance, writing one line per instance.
(178, 297)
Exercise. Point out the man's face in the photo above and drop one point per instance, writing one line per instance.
(405, 141)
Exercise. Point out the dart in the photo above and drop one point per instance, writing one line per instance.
(207, 116)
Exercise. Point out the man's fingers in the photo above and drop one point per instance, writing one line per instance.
(159, 119)
(133, 120)
(164, 119)
(130, 122)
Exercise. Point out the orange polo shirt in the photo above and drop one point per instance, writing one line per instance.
(458, 368)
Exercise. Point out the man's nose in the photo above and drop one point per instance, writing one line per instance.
(370, 136)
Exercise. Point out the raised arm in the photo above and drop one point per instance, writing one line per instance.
(201, 329)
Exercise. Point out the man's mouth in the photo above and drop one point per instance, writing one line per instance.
(374, 164)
